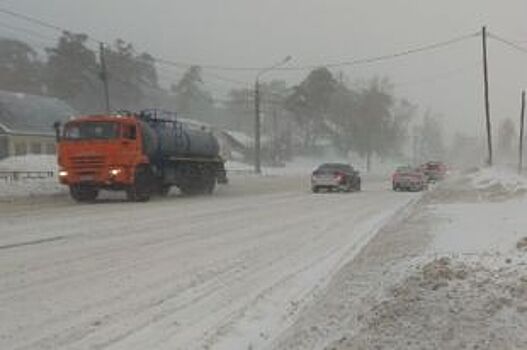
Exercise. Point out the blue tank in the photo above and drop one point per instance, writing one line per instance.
(164, 138)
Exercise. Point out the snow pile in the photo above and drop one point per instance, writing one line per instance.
(498, 180)
(481, 184)
(522, 244)
(447, 304)
(25, 187)
(29, 163)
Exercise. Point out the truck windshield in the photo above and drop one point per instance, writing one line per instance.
(91, 131)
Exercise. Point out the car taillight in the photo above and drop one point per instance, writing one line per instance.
(339, 176)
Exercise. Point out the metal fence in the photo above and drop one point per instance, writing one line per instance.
(8, 176)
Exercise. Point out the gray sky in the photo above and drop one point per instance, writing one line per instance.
(258, 33)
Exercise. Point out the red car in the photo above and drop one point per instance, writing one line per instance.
(435, 171)
(409, 179)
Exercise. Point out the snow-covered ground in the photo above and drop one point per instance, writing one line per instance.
(228, 271)
(265, 264)
(451, 275)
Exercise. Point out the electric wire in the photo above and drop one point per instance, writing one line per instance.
(405, 52)
(507, 42)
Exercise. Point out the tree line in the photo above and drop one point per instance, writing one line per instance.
(323, 109)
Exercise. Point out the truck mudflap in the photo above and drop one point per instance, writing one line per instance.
(221, 175)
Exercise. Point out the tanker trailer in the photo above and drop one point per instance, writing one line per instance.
(141, 154)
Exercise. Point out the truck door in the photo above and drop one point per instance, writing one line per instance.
(129, 145)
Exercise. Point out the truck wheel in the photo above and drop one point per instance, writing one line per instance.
(191, 188)
(209, 185)
(163, 190)
(84, 193)
(202, 186)
(141, 190)
(358, 186)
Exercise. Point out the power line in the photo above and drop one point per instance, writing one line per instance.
(27, 31)
(40, 22)
(507, 42)
(57, 28)
(407, 52)
(440, 76)
(229, 80)
(164, 61)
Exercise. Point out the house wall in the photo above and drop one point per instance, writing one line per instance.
(19, 145)
(4, 146)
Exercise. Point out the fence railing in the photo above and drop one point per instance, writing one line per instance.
(39, 175)
(240, 171)
(25, 175)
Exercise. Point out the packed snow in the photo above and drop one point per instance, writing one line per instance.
(226, 271)
(265, 264)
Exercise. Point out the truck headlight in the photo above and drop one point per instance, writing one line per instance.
(63, 173)
(115, 171)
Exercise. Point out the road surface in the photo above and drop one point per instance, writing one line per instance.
(230, 271)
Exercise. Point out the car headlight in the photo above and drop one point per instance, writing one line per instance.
(115, 171)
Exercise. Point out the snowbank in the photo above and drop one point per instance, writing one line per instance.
(498, 179)
(490, 224)
(29, 187)
(468, 287)
(29, 163)
(447, 304)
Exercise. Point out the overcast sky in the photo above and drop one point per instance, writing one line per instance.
(261, 32)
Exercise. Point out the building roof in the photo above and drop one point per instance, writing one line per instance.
(31, 114)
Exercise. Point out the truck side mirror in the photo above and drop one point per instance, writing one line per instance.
(57, 126)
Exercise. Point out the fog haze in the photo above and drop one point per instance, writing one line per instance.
(258, 33)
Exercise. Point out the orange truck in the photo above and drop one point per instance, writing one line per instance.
(143, 154)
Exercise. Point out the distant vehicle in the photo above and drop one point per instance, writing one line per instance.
(409, 179)
(140, 153)
(335, 177)
(435, 171)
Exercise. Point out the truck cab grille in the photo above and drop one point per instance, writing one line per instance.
(87, 165)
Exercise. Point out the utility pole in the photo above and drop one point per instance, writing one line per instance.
(104, 78)
(487, 103)
(415, 143)
(522, 123)
(257, 122)
(275, 136)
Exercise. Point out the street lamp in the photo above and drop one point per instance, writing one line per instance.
(257, 122)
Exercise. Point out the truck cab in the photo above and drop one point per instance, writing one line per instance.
(99, 152)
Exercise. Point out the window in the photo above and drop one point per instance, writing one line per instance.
(36, 148)
(20, 149)
(130, 132)
(50, 148)
(91, 130)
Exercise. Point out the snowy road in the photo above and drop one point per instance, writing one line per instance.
(230, 271)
